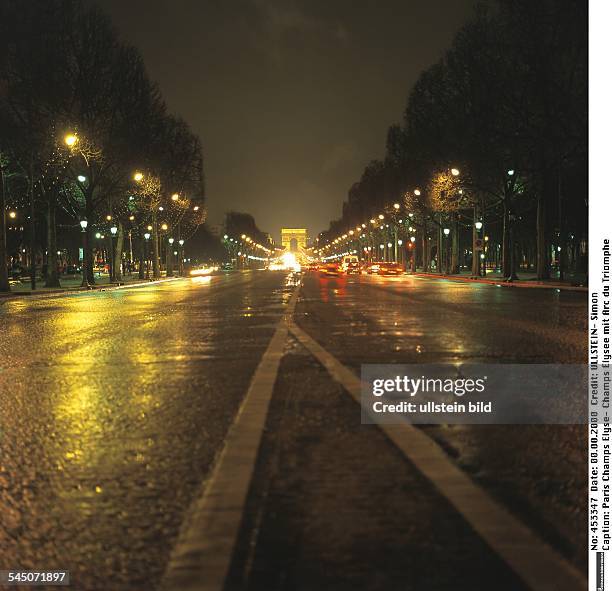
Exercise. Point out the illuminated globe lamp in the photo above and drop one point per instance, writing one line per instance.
(171, 241)
(138, 176)
(478, 225)
(446, 231)
(70, 139)
(113, 230)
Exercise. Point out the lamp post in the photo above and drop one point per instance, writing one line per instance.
(111, 262)
(83, 224)
(169, 270)
(146, 237)
(476, 251)
(181, 257)
(447, 262)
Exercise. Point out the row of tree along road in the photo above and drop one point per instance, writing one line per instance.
(492, 148)
(87, 145)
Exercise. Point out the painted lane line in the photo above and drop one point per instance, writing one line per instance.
(201, 558)
(532, 559)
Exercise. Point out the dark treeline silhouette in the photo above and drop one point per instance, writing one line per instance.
(506, 107)
(79, 117)
(238, 223)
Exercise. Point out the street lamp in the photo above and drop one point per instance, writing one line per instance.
(417, 192)
(182, 256)
(169, 270)
(84, 282)
(70, 139)
(81, 178)
(446, 234)
(478, 225)
(111, 262)
(138, 176)
(455, 171)
(12, 214)
(396, 205)
(146, 237)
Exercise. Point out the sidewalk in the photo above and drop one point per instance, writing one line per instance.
(72, 283)
(495, 278)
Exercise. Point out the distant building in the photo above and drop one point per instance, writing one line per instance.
(215, 230)
(293, 239)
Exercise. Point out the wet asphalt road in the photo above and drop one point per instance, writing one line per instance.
(114, 405)
(112, 408)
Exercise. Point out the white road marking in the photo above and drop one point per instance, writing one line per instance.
(202, 556)
(532, 559)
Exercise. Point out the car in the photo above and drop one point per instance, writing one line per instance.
(390, 269)
(371, 268)
(330, 269)
(350, 265)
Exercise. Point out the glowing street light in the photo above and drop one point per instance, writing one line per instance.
(12, 214)
(147, 236)
(70, 139)
(417, 192)
(455, 171)
(511, 172)
(396, 205)
(113, 230)
(446, 231)
(412, 238)
(81, 178)
(83, 224)
(381, 216)
(138, 176)
(478, 225)
(175, 197)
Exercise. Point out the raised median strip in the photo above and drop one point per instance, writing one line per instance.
(202, 556)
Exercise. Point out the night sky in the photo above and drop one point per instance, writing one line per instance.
(291, 98)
